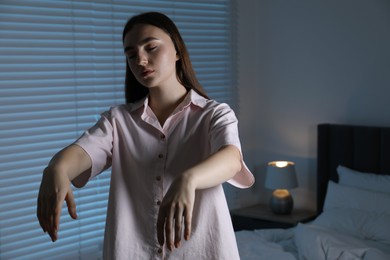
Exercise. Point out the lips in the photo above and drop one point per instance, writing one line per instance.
(146, 73)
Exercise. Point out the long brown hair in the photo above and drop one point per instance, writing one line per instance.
(184, 72)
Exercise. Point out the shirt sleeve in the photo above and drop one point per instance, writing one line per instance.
(224, 131)
(97, 143)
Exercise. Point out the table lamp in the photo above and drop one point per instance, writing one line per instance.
(281, 177)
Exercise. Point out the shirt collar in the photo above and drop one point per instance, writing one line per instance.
(191, 97)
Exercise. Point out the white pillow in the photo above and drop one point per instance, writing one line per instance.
(370, 181)
(345, 197)
(360, 223)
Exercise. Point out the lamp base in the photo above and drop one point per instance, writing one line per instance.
(281, 202)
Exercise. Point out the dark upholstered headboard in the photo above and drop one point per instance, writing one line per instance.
(362, 148)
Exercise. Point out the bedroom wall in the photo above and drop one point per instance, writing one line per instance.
(301, 63)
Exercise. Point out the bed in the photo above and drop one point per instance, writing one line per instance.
(353, 202)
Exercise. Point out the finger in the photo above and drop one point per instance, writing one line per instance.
(52, 229)
(178, 225)
(39, 214)
(160, 227)
(42, 216)
(169, 228)
(41, 209)
(56, 218)
(187, 222)
(70, 203)
(48, 213)
(44, 204)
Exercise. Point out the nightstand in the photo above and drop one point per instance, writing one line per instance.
(261, 217)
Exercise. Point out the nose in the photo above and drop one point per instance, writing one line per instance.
(142, 59)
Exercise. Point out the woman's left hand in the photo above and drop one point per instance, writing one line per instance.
(176, 210)
(178, 203)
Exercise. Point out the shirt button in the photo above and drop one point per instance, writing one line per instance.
(158, 178)
(159, 202)
(160, 155)
(162, 136)
(159, 250)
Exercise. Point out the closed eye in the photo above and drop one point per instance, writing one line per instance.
(130, 55)
(151, 48)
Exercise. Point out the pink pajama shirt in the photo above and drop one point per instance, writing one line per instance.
(145, 158)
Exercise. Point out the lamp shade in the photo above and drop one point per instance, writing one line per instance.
(281, 175)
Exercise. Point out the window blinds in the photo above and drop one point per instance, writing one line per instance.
(61, 65)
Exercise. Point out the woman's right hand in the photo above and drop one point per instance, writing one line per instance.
(54, 190)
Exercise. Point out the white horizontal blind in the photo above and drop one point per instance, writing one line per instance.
(61, 65)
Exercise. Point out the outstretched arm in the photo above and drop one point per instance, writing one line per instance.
(179, 200)
(55, 187)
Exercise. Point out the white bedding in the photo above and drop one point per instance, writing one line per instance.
(266, 244)
(315, 242)
(307, 242)
(354, 224)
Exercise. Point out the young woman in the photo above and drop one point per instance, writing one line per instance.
(170, 149)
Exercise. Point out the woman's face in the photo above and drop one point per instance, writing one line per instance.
(151, 56)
